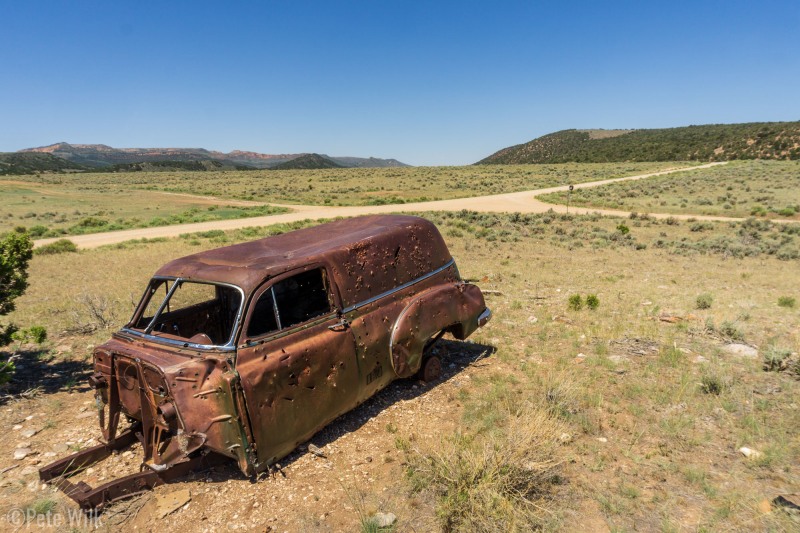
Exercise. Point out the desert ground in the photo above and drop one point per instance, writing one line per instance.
(630, 360)
(515, 202)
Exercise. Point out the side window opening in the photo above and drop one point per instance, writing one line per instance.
(262, 319)
(289, 302)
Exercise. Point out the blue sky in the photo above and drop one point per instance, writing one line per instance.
(426, 82)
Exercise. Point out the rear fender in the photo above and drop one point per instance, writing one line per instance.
(454, 307)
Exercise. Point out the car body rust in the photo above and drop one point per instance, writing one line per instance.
(248, 350)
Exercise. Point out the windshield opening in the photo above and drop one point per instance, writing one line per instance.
(196, 312)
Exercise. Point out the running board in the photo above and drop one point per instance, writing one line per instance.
(95, 499)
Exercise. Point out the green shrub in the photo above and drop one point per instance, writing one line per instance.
(575, 302)
(731, 331)
(592, 301)
(57, 247)
(92, 222)
(37, 334)
(787, 301)
(701, 226)
(704, 301)
(774, 358)
(38, 230)
(711, 384)
(42, 506)
(671, 355)
(16, 250)
(623, 229)
(7, 370)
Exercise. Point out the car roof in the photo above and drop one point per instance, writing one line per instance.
(341, 243)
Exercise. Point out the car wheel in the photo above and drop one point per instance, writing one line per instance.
(431, 369)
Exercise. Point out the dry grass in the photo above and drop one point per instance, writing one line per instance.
(739, 189)
(497, 482)
(653, 407)
(83, 203)
(50, 206)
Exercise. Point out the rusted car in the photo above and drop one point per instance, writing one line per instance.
(246, 351)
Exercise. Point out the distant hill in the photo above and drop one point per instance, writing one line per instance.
(101, 155)
(167, 166)
(714, 142)
(19, 163)
(369, 162)
(308, 161)
(255, 159)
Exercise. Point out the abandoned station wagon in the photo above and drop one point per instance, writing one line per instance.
(248, 350)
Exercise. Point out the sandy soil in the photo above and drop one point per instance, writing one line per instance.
(360, 473)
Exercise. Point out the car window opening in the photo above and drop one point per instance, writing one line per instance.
(289, 302)
(201, 313)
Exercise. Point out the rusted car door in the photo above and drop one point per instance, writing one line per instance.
(297, 361)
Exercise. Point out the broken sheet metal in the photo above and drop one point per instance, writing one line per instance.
(246, 351)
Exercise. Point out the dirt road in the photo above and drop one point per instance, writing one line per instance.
(520, 202)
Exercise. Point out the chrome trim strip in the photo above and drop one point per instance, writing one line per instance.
(277, 334)
(175, 284)
(181, 344)
(275, 306)
(399, 288)
(484, 317)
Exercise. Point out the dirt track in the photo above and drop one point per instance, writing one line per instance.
(519, 202)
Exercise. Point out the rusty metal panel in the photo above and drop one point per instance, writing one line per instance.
(295, 384)
(187, 400)
(453, 307)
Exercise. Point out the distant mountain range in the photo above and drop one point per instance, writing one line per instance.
(713, 142)
(97, 156)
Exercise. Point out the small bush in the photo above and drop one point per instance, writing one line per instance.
(787, 301)
(712, 384)
(704, 301)
(731, 331)
(43, 506)
(670, 355)
(575, 302)
(58, 247)
(787, 253)
(92, 222)
(775, 358)
(7, 370)
(96, 312)
(37, 334)
(623, 229)
(499, 482)
(592, 301)
(38, 230)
